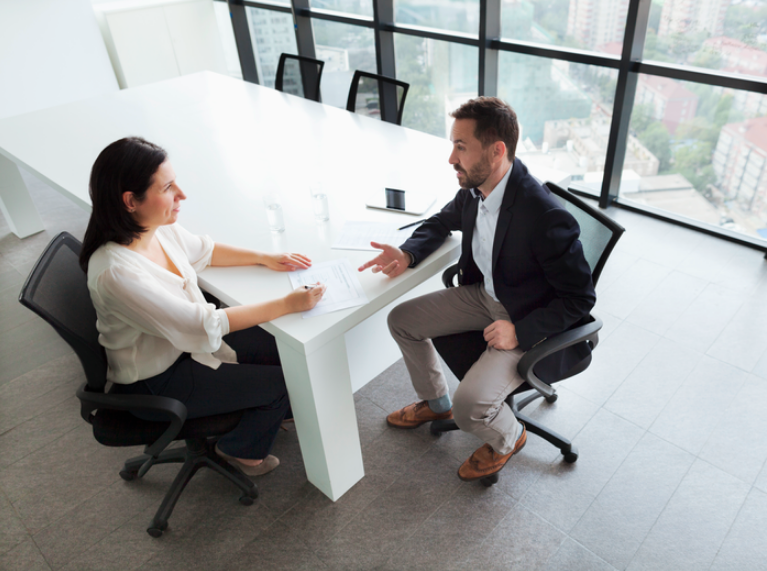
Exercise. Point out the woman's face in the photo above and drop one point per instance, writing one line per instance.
(162, 200)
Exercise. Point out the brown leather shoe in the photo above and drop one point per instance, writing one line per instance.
(414, 415)
(485, 461)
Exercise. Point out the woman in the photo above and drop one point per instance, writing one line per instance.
(160, 335)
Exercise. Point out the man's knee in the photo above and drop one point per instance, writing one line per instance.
(465, 411)
(398, 317)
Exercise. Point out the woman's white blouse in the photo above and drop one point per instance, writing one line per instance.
(148, 316)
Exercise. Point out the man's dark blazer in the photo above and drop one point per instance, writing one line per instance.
(539, 272)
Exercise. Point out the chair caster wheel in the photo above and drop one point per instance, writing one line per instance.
(553, 398)
(246, 500)
(489, 480)
(128, 475)
(154, 532)
(571, 457)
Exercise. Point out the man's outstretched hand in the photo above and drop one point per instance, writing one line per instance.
(392, 261)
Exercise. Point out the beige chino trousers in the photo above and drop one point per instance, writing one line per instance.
(478, 403)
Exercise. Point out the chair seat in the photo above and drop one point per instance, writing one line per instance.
(121, 428)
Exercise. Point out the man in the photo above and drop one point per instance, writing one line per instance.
(522, 278)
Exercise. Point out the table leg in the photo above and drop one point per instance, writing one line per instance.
(16, 203)
(321, 396)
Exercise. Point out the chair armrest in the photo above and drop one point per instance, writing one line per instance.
(449, 275)
(174, 409)
(587, 332)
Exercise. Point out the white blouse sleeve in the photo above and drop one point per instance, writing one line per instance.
(141, 302)
(198, 249)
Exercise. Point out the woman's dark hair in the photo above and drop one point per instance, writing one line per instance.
(127, 165)
(496, 121)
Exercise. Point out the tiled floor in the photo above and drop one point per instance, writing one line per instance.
(670, 421)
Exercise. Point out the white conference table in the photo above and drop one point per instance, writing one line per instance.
(230, 142)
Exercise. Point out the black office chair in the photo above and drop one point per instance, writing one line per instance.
(57, 291)
(599, 234)
(377, 96)
(299, 75)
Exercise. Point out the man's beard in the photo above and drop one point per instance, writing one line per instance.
(477, 175)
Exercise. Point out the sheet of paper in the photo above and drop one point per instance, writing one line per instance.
(358, 235)
(344, 288)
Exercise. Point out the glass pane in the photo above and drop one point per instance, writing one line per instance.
(564, 111)
(344, 49)
(710, 146)
(358, 7)
(453, 15)
(596, 25)
(224, 24)
(714, 34)
(271, 33)
(441, 75)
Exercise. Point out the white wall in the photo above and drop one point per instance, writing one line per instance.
(51, 52)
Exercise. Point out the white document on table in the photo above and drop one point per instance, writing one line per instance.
(358, 235)
(344, 288)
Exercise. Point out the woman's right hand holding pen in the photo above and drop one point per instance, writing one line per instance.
(305, 298)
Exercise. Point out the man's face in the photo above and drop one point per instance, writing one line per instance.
(469, 159)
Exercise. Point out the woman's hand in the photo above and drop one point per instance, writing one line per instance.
(302, 299)
(285, 262)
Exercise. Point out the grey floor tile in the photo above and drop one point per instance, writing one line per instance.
(744, 339)
(86, 524)
(33, 434)
(12, 529)
(665, 304)
(454, 532)
(24, 557)
(371, 419)
(564, 492)
(692, 414)
(619, 263)
(316, 519)
(729, 265)
(277, 548)
(761, 479)
(705, 318)
(40, 391)
(690, 531)
(760, 369)
(744, 548)
(572, 556)
(738, 444)
(10, 278)
(623, 296)
(647, 390)
(28, 346)
(286, 486)
(613, 361)
(378, 532)
(521, 541)
(618, 521)
(51, 481)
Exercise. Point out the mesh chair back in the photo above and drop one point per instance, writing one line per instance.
(57, 291)
(299, 75)
(599, 233)
(377, 96)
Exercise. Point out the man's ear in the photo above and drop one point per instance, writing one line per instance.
(499, 150)
(130, 201)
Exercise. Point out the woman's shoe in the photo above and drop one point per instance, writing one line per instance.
(269, 463)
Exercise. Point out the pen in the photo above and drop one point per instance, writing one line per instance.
(310, 286)
(412, 224)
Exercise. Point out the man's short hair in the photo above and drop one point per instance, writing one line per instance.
(496, 121)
